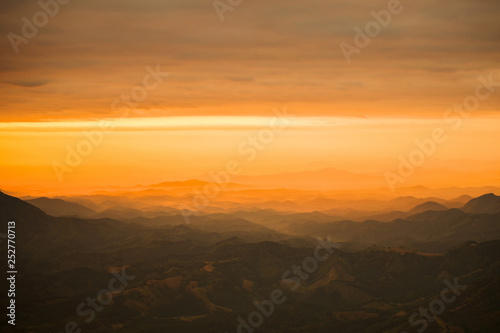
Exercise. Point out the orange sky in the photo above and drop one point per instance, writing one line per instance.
(225, 79)
(142, 151)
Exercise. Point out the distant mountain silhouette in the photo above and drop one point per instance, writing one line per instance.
(463, 198)
(441, 229)
(485, 204)
(14, 209)
(420, 208)
(59, 207)
(426, 206)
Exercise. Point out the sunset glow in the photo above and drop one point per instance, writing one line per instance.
(173, 102)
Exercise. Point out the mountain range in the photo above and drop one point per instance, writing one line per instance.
(204, 275)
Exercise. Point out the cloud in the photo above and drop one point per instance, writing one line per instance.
(29, 84)
(428, 57)
(241, 79)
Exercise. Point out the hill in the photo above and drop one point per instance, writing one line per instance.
(485, 204)
(59, 207)
(427, 206)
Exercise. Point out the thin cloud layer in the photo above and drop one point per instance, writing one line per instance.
(263, 54)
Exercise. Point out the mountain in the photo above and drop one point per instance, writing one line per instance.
(122, 213)
(458, 202)
(434, 231)
(205, 275)
(59, 207)
(222, 224)
(463, 198)
(13, 209)
(485, 204)
(29, 220)
(386, 217)
(41, 234)
(426, 206)
(419, 208)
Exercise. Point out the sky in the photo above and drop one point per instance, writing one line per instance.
(218, 83)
